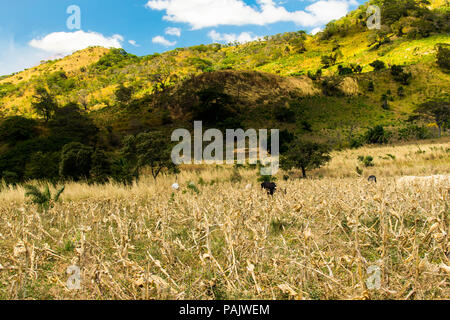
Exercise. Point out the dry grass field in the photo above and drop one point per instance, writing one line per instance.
(315, 239)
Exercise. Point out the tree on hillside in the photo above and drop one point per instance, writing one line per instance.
(384, 101)
(44, 104)
(378, 65)
(343, 71)
(328, 60)
(214, 107)
(16, 129)
(163, 75)
(379, 37)
(202, 65)
(123, 94)
(443, 56)
(152, 150)
(438, 110)
(298, 44)
(399, 75)
(305, 155)
(72, 124)
(356, 68)
(377, 135)
(42, 166)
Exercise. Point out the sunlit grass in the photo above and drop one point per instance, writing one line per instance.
(315, 239)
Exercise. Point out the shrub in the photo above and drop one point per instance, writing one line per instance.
(367, 161)
(214, 106)
(284, 114)
(17, 158)
(384, 102)
(356, 68)
(15, 129)
(377, 135)
(262, 178)
(328, 60)
(100, 168)
(191, 186)
(342, 71)
(330, 87)
(115, 58)
(58, 81)
(359, 171)
(76, 161)
(236, 176)
(400, 75)
(315, 76)
(438, 110)
(122, 171)
(200, 64)
(44, 104)
(378, 65)
(443, 56)
(355, 143)
(6, 89)
(72, 124)
(42, 166)
(123, 94)
(44, 199)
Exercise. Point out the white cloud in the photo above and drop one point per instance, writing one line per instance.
(163, 41)
(60, 43)
(133, 43)
(211, 13)
(232, 37)
(173, 32)
(15, 57)
(316, 30)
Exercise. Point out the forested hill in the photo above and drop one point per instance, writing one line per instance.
(333, 86)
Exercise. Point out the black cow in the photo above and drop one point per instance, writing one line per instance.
(271, 187)
(372, 179)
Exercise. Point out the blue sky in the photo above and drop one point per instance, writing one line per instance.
(34, 30)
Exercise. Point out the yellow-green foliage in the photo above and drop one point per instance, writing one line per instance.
(286, 54)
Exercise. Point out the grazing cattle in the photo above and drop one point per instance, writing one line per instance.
(372, 179)
(271, 187)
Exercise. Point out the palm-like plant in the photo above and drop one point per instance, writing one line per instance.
(44, 199)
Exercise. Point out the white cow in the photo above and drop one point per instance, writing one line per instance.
(428, 180)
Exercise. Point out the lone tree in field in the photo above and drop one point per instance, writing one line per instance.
(305, 155)
(438, 110)
(151, 150)
(44, 104)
